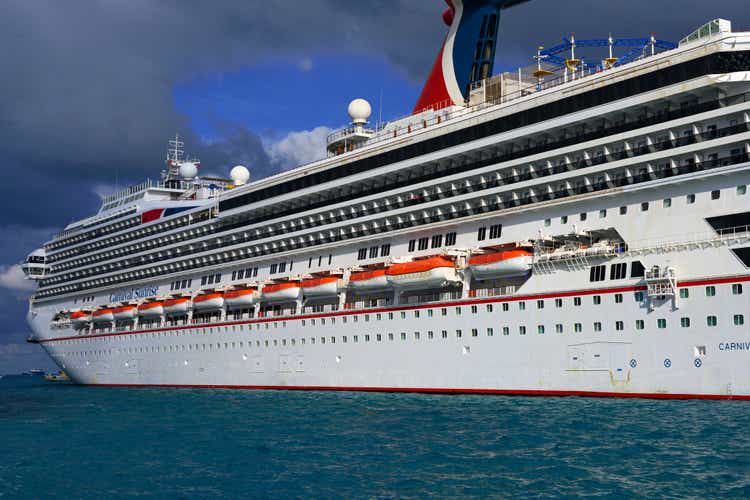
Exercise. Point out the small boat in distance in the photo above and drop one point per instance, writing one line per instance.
(60, 376)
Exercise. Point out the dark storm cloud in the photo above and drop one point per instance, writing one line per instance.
(87, 91)
(86, 95)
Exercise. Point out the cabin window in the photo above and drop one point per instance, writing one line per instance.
(496, 231)
(482, 234)
(423, 243)
(618, 271)
(597, 273)
(450, 239)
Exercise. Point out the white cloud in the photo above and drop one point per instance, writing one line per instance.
(104, 190)
(12, 278)
(305, 65)
(298, 148)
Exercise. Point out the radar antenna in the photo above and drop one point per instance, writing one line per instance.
(175, 153)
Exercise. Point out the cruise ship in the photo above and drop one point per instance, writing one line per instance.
(577, 227)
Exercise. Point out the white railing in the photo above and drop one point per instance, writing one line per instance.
(446, 110)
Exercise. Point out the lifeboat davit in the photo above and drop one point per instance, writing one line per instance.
(369, 280)
(176, 306)
(501, 264)
(241, 298)
(322, 287)
(435, 272)
(151, 309)
(80, 318)
(104, 316)
(282, 291)
(125, 313)
(208, 302)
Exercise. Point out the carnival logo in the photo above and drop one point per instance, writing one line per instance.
(134, 293)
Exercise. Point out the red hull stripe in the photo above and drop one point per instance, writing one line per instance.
(420, 390)
(351, 312)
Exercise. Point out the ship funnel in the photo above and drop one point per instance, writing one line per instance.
(468, 52)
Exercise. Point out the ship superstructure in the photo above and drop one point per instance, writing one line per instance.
(576, 227)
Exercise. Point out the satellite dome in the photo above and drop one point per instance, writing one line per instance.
(359, 111)
(240, 175)
(188, 170)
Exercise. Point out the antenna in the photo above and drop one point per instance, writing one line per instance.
(175, 151)
(611, 60)
(380, 111)
(540, 72)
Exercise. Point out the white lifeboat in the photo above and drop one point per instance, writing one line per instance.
(369, 280)
(125, 313)
(322, 287)
(282, 291)
(151, 309)
(80, 318)
(104, 316)
(208, 302)
(501, 264)
(176, 306)
(435, 272)
(241, 298)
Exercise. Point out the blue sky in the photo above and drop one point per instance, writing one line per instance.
(92, 91)
(280, 96)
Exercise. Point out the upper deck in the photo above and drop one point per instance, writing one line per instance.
(496, 127)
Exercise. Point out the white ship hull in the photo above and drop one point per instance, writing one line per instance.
(657, 363)
(640, 273)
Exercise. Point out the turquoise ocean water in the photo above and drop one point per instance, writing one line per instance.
(74, 442)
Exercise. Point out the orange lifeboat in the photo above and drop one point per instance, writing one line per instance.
(435, 272)
(241, 298)
(507, 264)
(368, 280)
(151, 309)
(282, 291)
(125, 313)
(104, 316)
(176, 306)
(80, 318)
(209, 301)
(322, 287)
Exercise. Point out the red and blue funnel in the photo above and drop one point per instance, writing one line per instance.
(468, 53)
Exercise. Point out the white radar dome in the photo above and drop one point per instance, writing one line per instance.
(240, 175)
(188, 170)
(359, 111)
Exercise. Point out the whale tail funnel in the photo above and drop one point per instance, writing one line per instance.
(468, 52)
